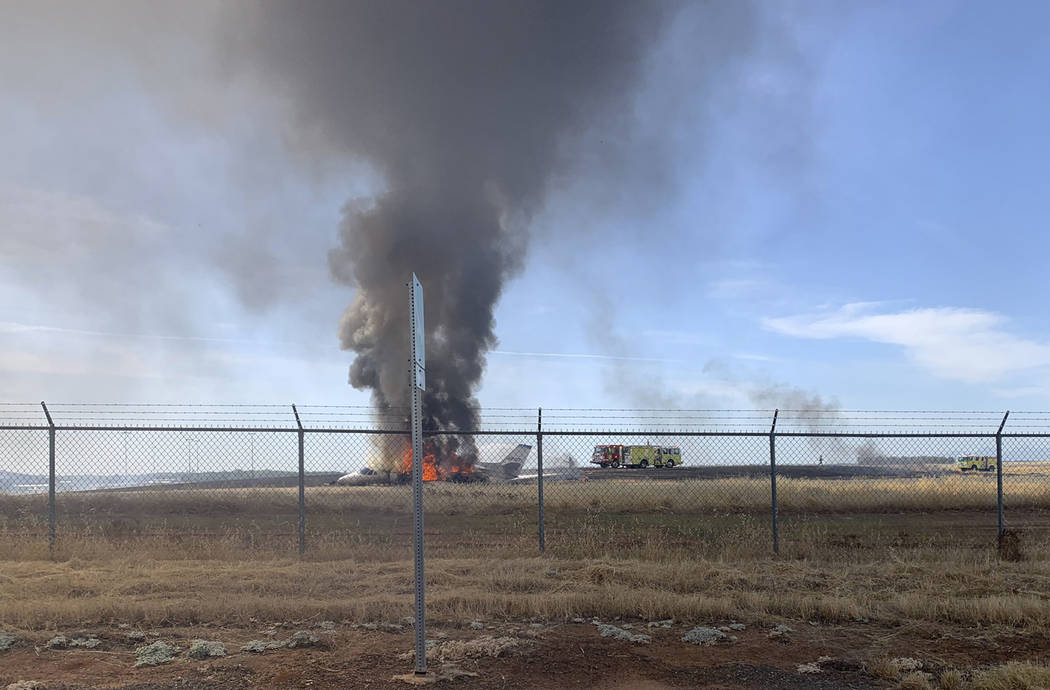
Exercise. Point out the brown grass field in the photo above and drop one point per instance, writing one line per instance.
(869, 570)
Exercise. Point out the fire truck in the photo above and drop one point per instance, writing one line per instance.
(617, 455)
(977, 463)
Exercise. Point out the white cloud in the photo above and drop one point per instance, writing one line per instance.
(969, 345)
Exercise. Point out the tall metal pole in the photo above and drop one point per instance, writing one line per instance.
(417, 383)
(999, 472)
(50, 480)
(302, 483)
(539, 463)
(773, 481)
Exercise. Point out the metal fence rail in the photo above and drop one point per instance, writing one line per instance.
(136, 470)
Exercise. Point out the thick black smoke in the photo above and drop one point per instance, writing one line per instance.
(465, 110)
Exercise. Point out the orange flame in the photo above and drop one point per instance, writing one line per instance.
(451, 469)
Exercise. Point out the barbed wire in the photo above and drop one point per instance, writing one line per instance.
(280, 416)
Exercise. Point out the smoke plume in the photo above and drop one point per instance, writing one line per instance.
(465, 110)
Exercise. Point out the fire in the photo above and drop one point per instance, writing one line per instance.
(450, 468)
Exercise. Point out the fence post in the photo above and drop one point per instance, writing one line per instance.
(539, 464)
(302, 483)
(773, 481)
(999, 474)
(50, 480)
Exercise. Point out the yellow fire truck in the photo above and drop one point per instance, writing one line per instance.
(636, 456)
(979, 463)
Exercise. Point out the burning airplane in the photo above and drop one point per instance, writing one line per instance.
(441, 466)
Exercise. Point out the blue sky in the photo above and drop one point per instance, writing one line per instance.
(864, 222)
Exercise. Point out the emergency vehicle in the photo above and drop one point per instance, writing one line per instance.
(980, 463)
(617, 455)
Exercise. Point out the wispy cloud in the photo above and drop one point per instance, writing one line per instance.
(580, 355)
(969, 345)
(13, 327)
(752, 357)
(735, 288)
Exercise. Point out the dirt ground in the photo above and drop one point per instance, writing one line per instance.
(543, 655)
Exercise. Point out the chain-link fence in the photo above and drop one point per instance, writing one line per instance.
(334, 480)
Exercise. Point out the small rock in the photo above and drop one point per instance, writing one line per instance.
(737, 626)
(475, 625)
(578, 620)
(136, 635)
(783, 629)
(57, 642)
(302, 638)
(7, 640)
(203, 649)
(326, 625)
(155, 654)
(701, 635)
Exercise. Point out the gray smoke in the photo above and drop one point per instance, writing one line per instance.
(465, 110)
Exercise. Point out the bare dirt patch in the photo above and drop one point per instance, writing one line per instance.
(562, 655)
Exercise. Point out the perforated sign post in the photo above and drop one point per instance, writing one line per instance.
(418, 385)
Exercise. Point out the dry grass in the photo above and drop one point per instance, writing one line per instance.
(916, 680)
(42, 594)
(945, 492)
(699, 551)
(1013, 676)
(883, 668)
(951, 679)
(675, 568)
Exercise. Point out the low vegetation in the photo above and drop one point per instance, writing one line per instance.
(886, 550)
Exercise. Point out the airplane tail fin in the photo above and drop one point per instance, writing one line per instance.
(510, 466)
(519, 455)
